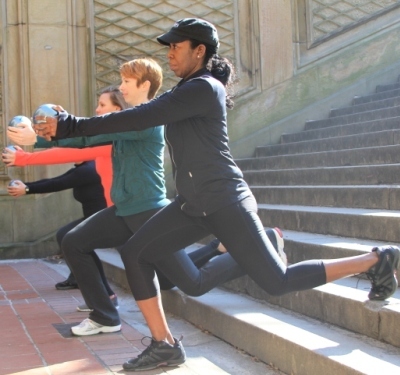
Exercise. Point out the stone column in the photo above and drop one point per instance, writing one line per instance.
(46, 58)
(275, 18)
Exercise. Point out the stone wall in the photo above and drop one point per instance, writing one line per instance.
(315, 55)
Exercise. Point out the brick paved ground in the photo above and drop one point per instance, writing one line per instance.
(35, 338)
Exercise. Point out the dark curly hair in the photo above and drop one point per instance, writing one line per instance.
(221, 69)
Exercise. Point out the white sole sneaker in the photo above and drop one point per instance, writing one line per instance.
(276, 237)
(89, 327)
(83, 308)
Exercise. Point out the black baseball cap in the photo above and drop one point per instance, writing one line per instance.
(191, 28)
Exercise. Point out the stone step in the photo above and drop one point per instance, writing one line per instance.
(368, 224)
(301, 246)
(343, 303)
(384, 197)
(376, 96)
(359, 156)
(343, 130)
(270, 334)
(390, 87)
(365, 107)
(382, 138)
(377, 114)
(385, 174)
(249, 324)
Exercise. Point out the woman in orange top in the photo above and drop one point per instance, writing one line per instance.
(110, 100)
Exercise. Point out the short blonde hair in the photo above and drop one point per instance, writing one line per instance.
(144, 69)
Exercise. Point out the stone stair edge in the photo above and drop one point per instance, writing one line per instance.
(386, 103)
(331, 168)
(281, 329)
(316, 153)
(361, 127)
(365, 197)
(354, 117)
(381, 174)
(370, 225)
(314, 140)
(387, 87)
(375, 96)
(330, 210)
(358, 118)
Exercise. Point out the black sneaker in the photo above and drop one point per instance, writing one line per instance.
(157, 354)
(383, 274)
(66, 284)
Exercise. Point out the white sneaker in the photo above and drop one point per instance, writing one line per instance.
(276, 237)
(89, 327)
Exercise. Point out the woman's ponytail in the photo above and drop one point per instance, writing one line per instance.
(223, 70)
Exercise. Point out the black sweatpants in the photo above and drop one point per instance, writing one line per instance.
(71, 278)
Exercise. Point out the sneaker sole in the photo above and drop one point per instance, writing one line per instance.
(83, 310)
(278, 243)
(89, 310)
(170, 363)
(395, 285)
(67, 287)
(281, 245)
(103, 329)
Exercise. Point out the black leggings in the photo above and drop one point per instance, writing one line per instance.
(238, 227)
(105, 229)
(199, 257)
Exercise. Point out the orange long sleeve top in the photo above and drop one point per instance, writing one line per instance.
(100, 154)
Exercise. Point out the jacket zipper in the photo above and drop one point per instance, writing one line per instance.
(191, 177)
(171, 151)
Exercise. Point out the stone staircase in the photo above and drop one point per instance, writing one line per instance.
(334, 191)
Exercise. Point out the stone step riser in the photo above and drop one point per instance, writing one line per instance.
(354, 118)
(362, 175)
(352, 314)
(379, 227)
(376, 97)
(343, 130)
(384, 138)
(264, 344)
(383, 88)
(386, 103)
(353, 157)
(384, 198)
(297, 251)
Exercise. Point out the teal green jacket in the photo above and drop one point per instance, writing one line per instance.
(138, 181)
